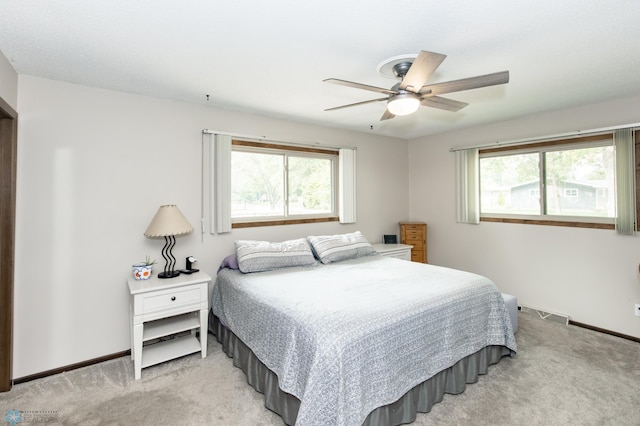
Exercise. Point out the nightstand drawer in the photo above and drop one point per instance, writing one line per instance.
(399, 251)
(171, 299)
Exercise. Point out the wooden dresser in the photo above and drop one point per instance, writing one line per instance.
(415, 234)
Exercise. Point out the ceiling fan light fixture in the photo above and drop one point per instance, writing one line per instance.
(403, 103)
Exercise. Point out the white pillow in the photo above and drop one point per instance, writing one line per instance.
(258, 256)
(334, 248)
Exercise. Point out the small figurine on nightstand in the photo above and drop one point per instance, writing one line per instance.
(189, 269)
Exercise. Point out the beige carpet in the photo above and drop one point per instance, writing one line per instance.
(562, 375)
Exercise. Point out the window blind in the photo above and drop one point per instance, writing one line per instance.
(467, 186)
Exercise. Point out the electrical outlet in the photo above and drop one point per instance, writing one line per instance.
(637, 310)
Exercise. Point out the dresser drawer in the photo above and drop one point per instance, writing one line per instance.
(417, 255)
(413, 235)
(172, 299)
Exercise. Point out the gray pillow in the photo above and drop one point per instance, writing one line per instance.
(334, 248)
(258, 256)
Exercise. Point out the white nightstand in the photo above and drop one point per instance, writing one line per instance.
(163, 307)
(399, 251)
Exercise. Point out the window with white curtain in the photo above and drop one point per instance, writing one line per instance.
(256, 183)
(573, 180)
(586, 181)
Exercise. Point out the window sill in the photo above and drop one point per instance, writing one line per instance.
(238, 225)
(549, 222)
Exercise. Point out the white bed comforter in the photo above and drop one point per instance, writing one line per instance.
(349, 337)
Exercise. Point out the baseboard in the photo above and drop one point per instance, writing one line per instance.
(563, 318)
(128, 352)
(605, 331)
(71, 367)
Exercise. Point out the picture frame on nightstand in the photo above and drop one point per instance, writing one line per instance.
(390, 239)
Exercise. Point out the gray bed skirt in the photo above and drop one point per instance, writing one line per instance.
(421, 398)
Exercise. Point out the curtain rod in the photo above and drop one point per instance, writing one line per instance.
(633, 126)
(266, 139)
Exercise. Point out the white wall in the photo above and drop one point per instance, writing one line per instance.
(93, 168)
(94, 165)
(8, 83)
(589, 274)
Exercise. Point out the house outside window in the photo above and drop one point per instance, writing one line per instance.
(571, 180)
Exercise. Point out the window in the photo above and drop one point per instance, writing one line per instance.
(568, 181)
(272, 182)
(571, 192)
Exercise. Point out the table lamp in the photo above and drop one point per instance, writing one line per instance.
(168, 222)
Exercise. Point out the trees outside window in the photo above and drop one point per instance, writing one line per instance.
(278, 182)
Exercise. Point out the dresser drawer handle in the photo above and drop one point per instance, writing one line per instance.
(173, 298)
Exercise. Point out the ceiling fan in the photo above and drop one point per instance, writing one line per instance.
(410, 93)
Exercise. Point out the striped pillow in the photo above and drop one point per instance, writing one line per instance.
(334, 248)
(259, 256)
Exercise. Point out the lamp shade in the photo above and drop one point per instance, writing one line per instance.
(403, 104)
(168, 221)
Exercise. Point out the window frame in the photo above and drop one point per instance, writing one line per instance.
(290, 151)
(596, 140)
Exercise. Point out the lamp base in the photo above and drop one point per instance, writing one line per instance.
(168, 274)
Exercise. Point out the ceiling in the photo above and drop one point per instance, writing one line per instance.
(270, 58)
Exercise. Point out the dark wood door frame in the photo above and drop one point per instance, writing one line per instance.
(8, 166)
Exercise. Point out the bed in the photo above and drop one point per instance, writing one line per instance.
(364, 339)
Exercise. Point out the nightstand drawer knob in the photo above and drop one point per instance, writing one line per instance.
(173, 298)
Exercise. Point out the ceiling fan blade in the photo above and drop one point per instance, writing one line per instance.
(356, 104)
(496, 78)
(360, 86)
(443, 103)
(387, 115)
(421, 68)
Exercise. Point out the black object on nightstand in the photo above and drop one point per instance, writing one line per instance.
(189, 268)
(390, 239)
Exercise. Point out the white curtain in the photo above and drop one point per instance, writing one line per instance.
(222, 168)
(467, 186)
(347, 183)
(625, 182)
